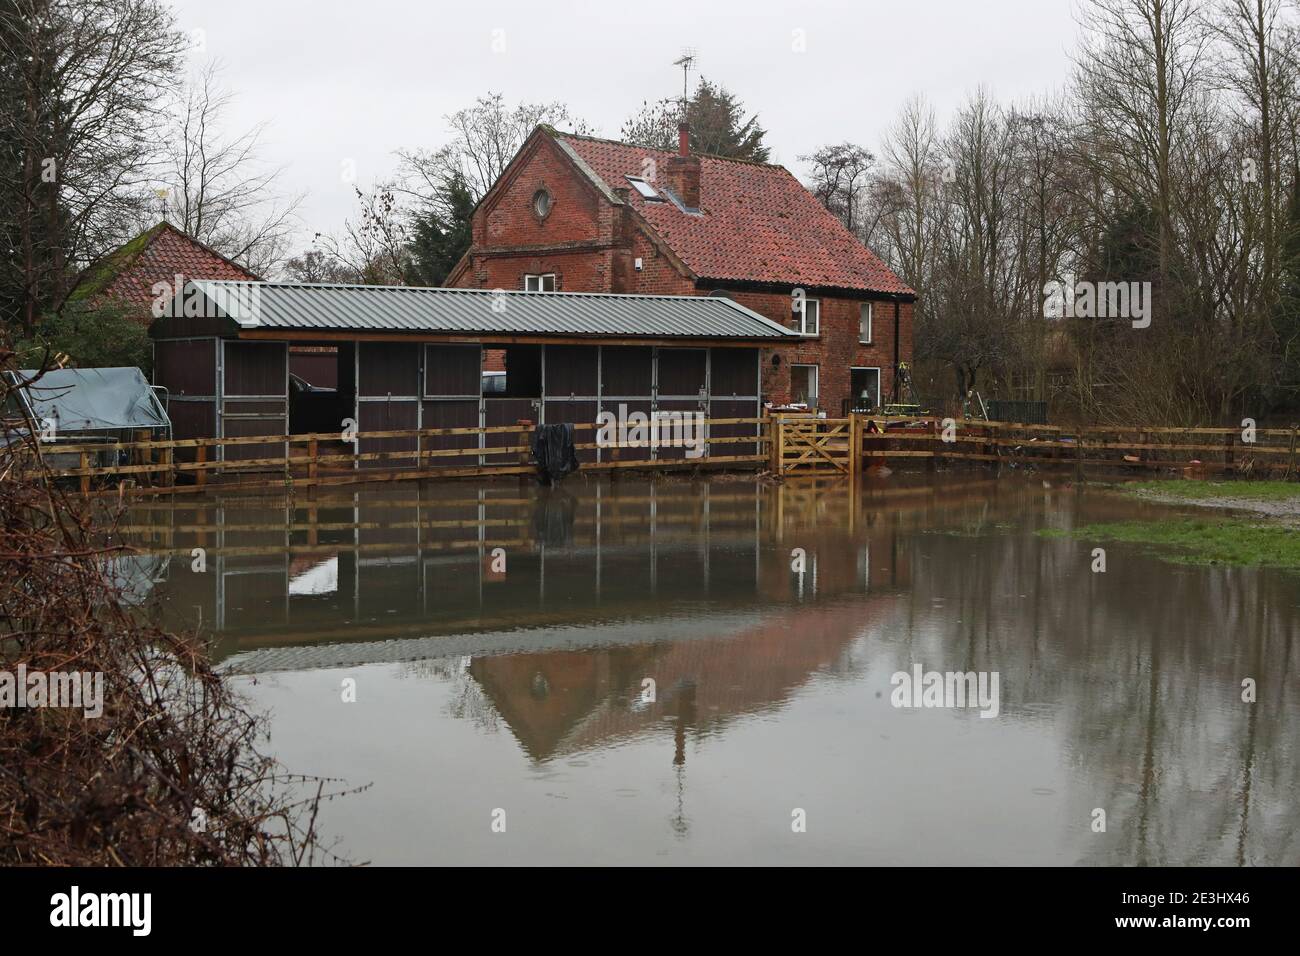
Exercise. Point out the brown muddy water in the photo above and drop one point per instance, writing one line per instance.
(641, 674)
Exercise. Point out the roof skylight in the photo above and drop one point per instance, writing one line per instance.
(644, 188)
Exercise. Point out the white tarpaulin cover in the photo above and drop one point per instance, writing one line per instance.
(90, 399)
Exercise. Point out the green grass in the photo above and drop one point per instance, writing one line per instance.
(1188, 541)
(1251, 490)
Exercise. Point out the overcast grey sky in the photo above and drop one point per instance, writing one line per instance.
(360, 79)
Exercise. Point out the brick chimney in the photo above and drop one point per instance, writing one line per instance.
(684, 170)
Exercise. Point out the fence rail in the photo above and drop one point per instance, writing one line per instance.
(331, 458)
(786, 445)
(1192, 450)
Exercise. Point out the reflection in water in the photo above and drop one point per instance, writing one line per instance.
(635, 672)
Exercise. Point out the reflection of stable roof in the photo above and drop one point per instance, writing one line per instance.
(524, 640)
(301, 307)
(94, 399)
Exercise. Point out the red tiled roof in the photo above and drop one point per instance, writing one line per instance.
(158, 255)
(759, 223)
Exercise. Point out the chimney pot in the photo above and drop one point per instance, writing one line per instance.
(683, 139)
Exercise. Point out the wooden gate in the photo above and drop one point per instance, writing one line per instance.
(815, 446)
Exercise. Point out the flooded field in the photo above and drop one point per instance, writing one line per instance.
(692, 672)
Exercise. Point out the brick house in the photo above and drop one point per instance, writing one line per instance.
(129, 273)
(579, 214)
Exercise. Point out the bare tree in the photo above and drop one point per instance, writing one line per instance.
(840, 178)
(373, 247)
(217, 188)
(81, 88)
(909, 188)
(315, 265)
(485, 137)
(1140, 75)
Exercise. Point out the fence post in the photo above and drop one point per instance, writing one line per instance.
(313, 459)
(146, 457)
(169, 459)
(525, 457)
(85, 467)
(779, 460)
(201, 458)
(855, 446)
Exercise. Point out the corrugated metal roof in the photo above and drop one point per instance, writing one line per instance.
(366, 308)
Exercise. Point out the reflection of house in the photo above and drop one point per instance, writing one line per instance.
(570, 701)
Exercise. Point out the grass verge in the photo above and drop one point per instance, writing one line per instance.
(1190, 541)
(1214, 490)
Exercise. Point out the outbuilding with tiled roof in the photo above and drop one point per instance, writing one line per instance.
(133, 271)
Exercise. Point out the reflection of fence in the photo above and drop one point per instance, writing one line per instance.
(329, 458)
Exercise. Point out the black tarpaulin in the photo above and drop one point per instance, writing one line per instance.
(553, 452)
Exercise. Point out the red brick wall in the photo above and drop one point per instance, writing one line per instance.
(575, 240)
(836, 349)
(577, 212)
(658, 275)
(586, 271)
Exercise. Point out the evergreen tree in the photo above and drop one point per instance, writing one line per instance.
(1287, 325)
(441, 234)
(717, 120)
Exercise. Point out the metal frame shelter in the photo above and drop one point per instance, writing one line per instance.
(84, 406)
(413, 358)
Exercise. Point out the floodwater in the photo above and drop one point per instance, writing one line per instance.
(693, 672)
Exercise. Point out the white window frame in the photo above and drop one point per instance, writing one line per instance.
(649, 193)
(817, 319)
(540, 279)
(871, 322)
(880, 384)
(813, 399)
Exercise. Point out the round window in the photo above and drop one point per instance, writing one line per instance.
(542, 203)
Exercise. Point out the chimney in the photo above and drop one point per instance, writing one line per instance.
(684, 170)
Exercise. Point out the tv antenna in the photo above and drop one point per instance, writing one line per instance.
(686, 61)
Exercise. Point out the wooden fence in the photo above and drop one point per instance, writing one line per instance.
(1136, 448)
(807, 445)
(784, 445)
(328, 458)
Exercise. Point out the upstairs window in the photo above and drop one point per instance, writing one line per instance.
(645, 189)
(540, 283)
(808, 317)
(864, 323)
